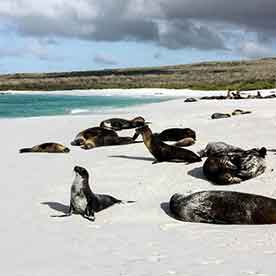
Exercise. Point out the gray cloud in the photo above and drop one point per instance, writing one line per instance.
(173, 24)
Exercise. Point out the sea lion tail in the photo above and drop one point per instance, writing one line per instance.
(25, 150)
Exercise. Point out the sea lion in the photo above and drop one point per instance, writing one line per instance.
(163, 152)
(83, 201)
(186, 142)
(46, 147)
(220, 115)
(90, 133)
(190, 100)
(214, 148)
(234, 167)
(176, 134)
(224, 207)
(240, 112)
(99, 136)
(119, 124)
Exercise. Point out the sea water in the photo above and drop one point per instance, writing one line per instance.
(27, 105)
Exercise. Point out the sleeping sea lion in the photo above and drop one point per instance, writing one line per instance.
(224, 207)
(46, 147)
(234, 167)
(90, 133)
(220, 115)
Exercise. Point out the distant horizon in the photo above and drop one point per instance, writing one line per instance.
(139, 67)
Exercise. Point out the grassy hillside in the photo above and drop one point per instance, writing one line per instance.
(257, 74)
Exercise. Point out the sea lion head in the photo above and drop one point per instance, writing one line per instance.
(66, 150)
(81, 171)
(262, 152)
(138, 121)
(78, 142)
(142, 129)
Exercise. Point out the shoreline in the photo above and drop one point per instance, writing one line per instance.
(140, 92)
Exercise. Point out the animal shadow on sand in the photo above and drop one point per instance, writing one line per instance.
(133, 157)
(197, 173)
(58, 207)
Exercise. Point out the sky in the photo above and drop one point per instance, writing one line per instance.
(67, 35)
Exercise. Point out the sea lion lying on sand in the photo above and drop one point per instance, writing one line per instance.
(224, 207)
(220, 115)
(46, 147)
(99, 136)
(119, 124)
(240, 112)
(234, 167)
(163, 152)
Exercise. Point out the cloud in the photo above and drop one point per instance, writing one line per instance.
(104, 59)
(174, 24)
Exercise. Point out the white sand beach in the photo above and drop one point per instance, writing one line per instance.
(138, 239)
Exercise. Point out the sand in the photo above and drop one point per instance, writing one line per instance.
(132, 239)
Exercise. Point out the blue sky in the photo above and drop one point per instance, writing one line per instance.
(59, 35)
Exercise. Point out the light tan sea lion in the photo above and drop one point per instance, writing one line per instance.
(47, 147)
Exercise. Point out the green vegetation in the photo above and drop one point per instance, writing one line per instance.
(242, 75)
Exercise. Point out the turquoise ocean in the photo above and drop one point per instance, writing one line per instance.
(26, 105)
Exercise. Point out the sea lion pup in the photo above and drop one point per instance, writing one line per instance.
(214, 148)
(119, 124)
(90, 133)
(240, 112)
(163, 152)
(176, 134)
(220, 115)
(83, 201)
(224, 207)
(234, 167)
(46, 147)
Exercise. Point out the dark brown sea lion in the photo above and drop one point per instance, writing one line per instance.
(176, 134)
(220, 115)
(190, 100)
(234, 167)
(119, 124)
(83, 201)
(163, 152)
(224, 207)
(47, 147)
